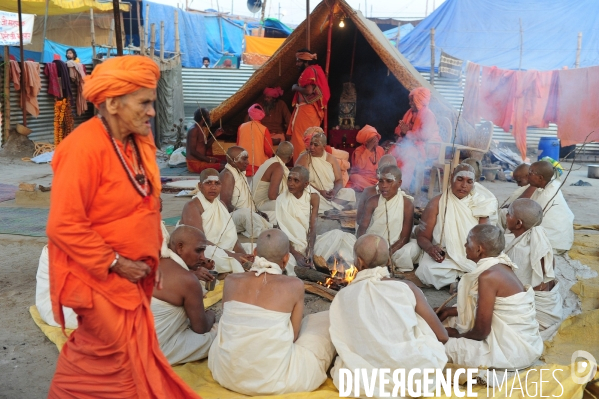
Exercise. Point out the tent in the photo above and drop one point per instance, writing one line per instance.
(391, 34)
(383, 77)
(489, 32)
(60, 7)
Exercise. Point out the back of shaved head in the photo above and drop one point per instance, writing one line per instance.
(233, 152)
(477, 165)
(285, 150)
(387, 159)
(303, 172)
(322, 139)
(372, 249)
(206, 173)
(543, 169)
(186, 235)
(528, 211)
(489, 237)
(272, 245)
(522, 168)
(392, 169)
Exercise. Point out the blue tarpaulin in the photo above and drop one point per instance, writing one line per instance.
(488, 32)
(52, 48)
(391, 34)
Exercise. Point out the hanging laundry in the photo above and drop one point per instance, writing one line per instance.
(471, 111)
(33, 84)
(65, 79)
(53, 85)
(77, 73)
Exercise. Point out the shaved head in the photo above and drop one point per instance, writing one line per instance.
(463, 167)
(489, 237)
(321, 138)
(521, 169)
(207, 173)
(543, 169)
(233, 153)
(520, 174)
(285, 150)
(528, 211)
(186, 235)
(272, 245)
(390, 169)
(372, 250)
(303, 173)
(477, 165)
(387, 159)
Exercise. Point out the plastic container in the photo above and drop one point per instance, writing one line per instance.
(548, 147)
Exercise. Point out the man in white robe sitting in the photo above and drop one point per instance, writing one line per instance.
(183, 327)
(520, 176)
(444, 226)
(479, 188)
(325, 176)
(390, 214)
(297, 212)
(206, 212)
(236, 194)
(531, 251)
(411, 336)
(270, 180)
(263, 347)
(368, 192)
(493, 324)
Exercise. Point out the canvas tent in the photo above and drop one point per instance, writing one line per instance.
(383, 77)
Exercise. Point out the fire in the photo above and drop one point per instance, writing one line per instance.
(350, 274)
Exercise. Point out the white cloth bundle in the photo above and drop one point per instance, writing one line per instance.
(261, 265)
(486, 193)
(260, 188)
(322, 177)
(558, 219)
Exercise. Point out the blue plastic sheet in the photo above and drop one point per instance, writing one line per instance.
(488, 32)
(391, 34)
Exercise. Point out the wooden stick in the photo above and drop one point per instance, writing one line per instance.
(152, 40)
(161, 41)
(578, 49)
(177, 43)
(93, 32)
(446, 302)
(319, 290)
(432, 75)
(6, 99)
(307, 274)
(110, 33)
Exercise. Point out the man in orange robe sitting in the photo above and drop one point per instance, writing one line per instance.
(104, 242)
(254, 137)
(310, 100)
(365, 159)
(418, 126)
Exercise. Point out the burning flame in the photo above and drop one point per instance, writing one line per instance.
(340, 275)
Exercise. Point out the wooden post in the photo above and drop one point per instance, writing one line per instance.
(398, 36)
(262, 18)
(432, 76)
(426, 10)
(147, 25)
(44, 34)
(328, 64)
(116, 9)
(6, 113)
(152, 40)
(140, 31)
(578, 49)
(521, 44)
(93, 32)
(161, 41)
(110, 33)
(22, 64)
(177, 42)
(308, 24)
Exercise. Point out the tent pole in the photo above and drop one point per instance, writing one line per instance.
(6, 113)
(177, 41)
(432, 75)
(110, 33)
(308, 24)
(261, 18)
(44, 34)
(93, 32)
(22, 64)
(161, 41)
(116, 9)
(328, 64)
(140, 31)
(578, 49)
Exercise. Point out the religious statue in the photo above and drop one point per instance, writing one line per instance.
(347, 106)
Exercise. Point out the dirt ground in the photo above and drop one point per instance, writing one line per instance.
(27, 358)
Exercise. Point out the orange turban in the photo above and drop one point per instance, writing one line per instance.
(119, 76)
(305, 56)
(366, 134)
(274, 92)
(421, 97)
(311, 131)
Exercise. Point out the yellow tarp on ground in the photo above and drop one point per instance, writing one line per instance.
(60, 7)
(586, 250)
(262, 45)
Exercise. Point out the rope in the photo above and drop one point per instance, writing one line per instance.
(389, 237)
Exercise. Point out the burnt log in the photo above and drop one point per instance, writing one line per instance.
(308, 274)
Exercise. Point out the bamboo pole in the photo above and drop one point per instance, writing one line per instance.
(177, 42)
(140, 31)
(22, 64)
(161, 41)
(578, 49)
(152, 40)
(93, 32)
(308, 24)
(110, 35)
(147, 25)
(6, 113)
(398, 36)
(327, 65)
(432, 76)
(262, 18)
(116, 9)
(521, 44)
(44, 34)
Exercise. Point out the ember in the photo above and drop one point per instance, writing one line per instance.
(342, 273)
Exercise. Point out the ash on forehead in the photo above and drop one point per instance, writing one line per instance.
(463, 173)
(387, 176)
(461, 169)
(209, 174)
(391, 172)
(303, 173)
(242, 154)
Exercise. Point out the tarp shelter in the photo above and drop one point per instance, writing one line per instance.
(383, 77)
(262, 45)
(391, 34)
(488, 32)
(60, 7)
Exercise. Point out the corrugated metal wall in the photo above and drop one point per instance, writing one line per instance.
(43, 125)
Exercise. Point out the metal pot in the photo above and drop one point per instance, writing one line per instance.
(593, 172)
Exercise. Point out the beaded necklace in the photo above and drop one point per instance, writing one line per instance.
(137, 176)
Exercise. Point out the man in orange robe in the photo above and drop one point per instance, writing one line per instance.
(104, 242)
(254, 137)
(365, 159)
(310, 100)
(418, 126)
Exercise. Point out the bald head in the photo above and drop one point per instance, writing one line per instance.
(489, 237)
(206, 173)
(233, 153)
(273, 245)
(476, 165)
(321, 138)
(186, 235)
(371, 251)
(303, 173)
(285, 151)
(543, 169)
(390, 170)
(528, 211)
(520, 174)
(465, 170)
(387, 159)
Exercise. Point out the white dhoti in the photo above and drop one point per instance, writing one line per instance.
(558, 219)
(460, 217)
(164, 251)
(514, 341)
(43, 303)
(404, 341)
(483, 191)
(335, 242)
(387, 222)
(260, 188)
(322, 177)
(254, 353)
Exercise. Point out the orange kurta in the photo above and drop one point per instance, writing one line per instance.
(96, 212)
(364, 167)
(255, 139)
(303, 117)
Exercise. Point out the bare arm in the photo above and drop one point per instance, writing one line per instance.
(424, 310)
(424, 234)
(371, 205)
(192, 214)
(227, 187)
(406, 229)
(314, 202)
(528, 192)
(298, 309)
(192, 146)
(306, 91)
(276, 177)
(337, 172)
(200, 321)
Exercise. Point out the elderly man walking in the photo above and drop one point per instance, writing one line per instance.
(104, 242)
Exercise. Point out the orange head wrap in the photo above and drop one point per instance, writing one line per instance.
(256, 112)
(366, 134)
(421, 97)
(119, 76)
(305, 56)
(274, 92)
(311, 131)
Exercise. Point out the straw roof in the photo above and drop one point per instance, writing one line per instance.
(276, 71)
